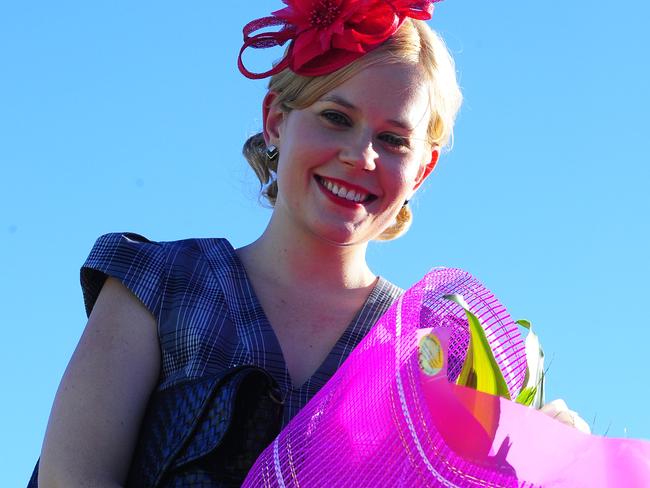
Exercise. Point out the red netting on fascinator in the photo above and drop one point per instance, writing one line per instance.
(326, 35)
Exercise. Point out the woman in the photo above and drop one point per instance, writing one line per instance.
(341, 153)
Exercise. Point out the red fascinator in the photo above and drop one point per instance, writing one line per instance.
(326, 35)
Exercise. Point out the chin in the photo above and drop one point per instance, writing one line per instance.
(344, 237)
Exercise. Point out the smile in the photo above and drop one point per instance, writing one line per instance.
(340, 190)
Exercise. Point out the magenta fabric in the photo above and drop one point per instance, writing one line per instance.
(381, 422)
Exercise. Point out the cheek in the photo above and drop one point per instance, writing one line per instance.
(313, 135)
(318, 144)
(289, 174)
(404, 176)
(418, 166)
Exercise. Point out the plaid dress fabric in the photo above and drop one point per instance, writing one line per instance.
(208, 316)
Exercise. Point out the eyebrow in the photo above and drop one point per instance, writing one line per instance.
(343, 102)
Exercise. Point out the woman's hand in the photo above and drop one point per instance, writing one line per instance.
(100, 402)
(559, 410)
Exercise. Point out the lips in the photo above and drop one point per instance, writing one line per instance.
(346, 191)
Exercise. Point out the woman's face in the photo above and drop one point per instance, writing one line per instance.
(348, 162)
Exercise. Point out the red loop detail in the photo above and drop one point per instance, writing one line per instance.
(264, 40)
(329, 33)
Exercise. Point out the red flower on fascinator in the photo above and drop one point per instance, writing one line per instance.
(326, 35)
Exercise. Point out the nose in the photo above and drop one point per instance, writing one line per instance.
(358, 151)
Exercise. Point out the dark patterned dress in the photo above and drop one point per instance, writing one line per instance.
(208, 316)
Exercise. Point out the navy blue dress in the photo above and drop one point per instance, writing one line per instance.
(208, 316)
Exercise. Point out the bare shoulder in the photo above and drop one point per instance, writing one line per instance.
(116, 302)
(99, 405)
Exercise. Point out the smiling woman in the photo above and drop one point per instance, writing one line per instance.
(348, 136)
(349, 148)
(349, 140)
(427, 92)
(196, 354)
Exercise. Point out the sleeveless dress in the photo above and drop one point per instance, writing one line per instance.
(208, 317)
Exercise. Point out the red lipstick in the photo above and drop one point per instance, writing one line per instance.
(342, 200)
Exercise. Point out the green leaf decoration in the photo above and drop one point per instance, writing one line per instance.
(480, 370)
(526, 396)
(535, 376)
(524, 323)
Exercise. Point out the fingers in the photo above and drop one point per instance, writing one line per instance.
(559, 410)
(580, 424)
(554, 407)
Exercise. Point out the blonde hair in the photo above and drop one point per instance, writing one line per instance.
(413, 44)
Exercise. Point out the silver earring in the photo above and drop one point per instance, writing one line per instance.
(272, 152)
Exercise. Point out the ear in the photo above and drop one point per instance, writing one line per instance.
(426, 169)
(272, 118)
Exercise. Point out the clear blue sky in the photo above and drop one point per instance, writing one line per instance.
(119, 116)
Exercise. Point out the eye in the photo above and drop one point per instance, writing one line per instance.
(395, 141)
(336, 118)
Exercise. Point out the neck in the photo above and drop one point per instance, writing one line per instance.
(299, 259)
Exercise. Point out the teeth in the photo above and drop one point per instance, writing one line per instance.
(342, 192)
